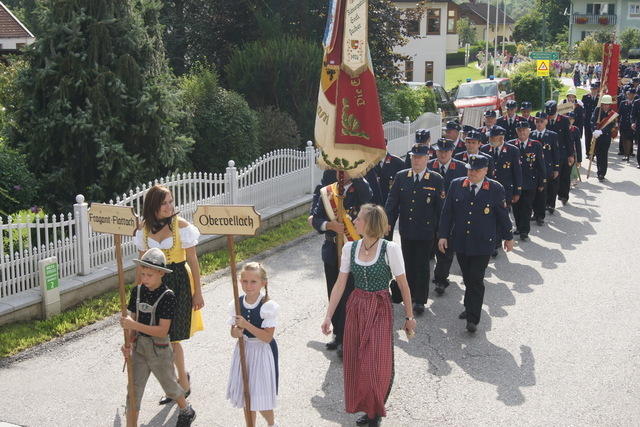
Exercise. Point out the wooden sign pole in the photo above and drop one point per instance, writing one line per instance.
(243, 360)
(117, 240)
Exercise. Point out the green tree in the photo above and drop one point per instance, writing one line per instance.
(589, 49)
(629, 39)
(528, 27)
(466, 33)
(222, 124)
(96, 113)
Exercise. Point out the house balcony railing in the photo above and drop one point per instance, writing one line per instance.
(583, 18)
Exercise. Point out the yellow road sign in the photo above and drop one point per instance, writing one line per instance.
(542, 66)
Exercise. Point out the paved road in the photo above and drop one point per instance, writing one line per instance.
(558, 343)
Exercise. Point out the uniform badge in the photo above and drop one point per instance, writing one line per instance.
(442, 195)
(428, 200)
(486, 211)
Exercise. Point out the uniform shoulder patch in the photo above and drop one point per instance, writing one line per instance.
(442, 195)
(485, 185)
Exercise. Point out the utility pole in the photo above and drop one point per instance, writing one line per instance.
(486, 47)
(495, 41)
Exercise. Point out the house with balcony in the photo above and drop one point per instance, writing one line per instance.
(432, 36)
(588, 17)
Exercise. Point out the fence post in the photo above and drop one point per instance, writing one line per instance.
(81, 215)
(407, 122)
(311, 160)
(231, 179)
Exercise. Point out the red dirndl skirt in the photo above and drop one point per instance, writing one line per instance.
(368, 352)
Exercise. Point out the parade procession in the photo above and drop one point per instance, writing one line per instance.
(474, 267)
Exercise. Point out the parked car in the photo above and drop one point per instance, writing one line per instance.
(444, 102)
(473, 98)
(634, 54)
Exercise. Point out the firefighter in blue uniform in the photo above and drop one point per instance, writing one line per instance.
(549, 141)
(473, 141)
(416, 199)
(560, 125)
(386, 171)
(357, 193)
(626, 130)
(575, 133)
(474, 218)
(509, 120)
(490, 119)
(506, 159)
(452, 131)
(589, 101)
(603, 134)
(533, 177)
(449, 169)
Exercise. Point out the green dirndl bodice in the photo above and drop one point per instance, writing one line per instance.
(374, 277)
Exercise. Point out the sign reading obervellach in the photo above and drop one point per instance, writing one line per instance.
(230, 220)
(112, 219)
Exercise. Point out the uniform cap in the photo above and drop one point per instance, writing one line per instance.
(451, 125)
(497, 131)
(490, 113)
(153, 258)
(571, 114)
(422, 135)
(477, 161)
(631, 90)
(419, 150)
(541, 115)
(522, 124)
(595, 85)
(551, 107)
(526, 105)
(444, 144)
(511, 104)
(468, 128)
(429, 83)
(478, 136)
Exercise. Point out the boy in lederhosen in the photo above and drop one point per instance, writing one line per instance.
(151, 310)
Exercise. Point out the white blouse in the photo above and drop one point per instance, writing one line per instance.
(393, 257)
(189, 236)
(268, 312)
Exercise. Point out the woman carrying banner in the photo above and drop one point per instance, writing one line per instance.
(163, 228)
(368, 335)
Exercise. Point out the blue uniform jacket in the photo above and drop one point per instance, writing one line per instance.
(456, 170)
(474, 224)
(357, 195)
(507, 168)
(598, 115)
(460, 147)
(417, 205)
(625, 110)
(561, 127)
(510, 128)
(534, 172)
(549, 141)
(391, 165)
(576, 138)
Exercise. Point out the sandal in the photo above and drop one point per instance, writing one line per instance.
(166, 400)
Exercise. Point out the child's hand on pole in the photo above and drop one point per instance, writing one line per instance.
(126, 351)
(127, 322)
(241, 322)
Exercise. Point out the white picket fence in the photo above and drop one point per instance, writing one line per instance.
(271, 181)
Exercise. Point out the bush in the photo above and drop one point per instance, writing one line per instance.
(284, 72)
(629, 39)
(527, 86)
(25, 216)
(457, 58)
(388, 108)
(18, 185)
(589, 49)
(222, 124)
(277, 130)
(414, 102)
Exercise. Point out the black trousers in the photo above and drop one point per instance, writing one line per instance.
(602, 155)
(564, 180)
(416, 254)
(637, 138)
(626, 141)
(443, 265)
(522, 210)
(552, 192)
(473, 269)
(337, 320)
(588, 134)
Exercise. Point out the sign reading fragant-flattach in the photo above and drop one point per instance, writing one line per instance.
(229, 220)
(112, 219)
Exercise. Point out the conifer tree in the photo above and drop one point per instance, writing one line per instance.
(99, 112)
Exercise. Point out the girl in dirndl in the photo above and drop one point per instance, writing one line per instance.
(256, 325)
(177, 238)
(368, 332)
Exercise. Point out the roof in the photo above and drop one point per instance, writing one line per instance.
(477, 13)
(10, 26)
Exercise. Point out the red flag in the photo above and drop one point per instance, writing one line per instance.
(348, 126)
(610, 66)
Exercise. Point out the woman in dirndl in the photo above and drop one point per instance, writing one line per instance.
(177, 238)
(368, 334)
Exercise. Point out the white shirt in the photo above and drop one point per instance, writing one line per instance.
(477, 184)
(446, 167)
(189, 236)
(419, 175)
(394, 257)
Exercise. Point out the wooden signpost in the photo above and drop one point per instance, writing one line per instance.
(232, 221)
(119, 221)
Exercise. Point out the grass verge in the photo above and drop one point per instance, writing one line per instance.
(19, 336)
(456, 75)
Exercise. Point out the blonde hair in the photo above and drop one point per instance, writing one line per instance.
(376, 224)
(258, 268)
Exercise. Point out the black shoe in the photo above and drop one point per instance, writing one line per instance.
(363, 420)
(185, 420)
(339, 351)
(600, 178)
(471, 327)
(524, 236)
(418, 309)
(462, 315)
(540, 221)
(332, 345)
(516, 232)
(564, 201)
(374, 422)
(494, 254)
(550, 210)
(167, 400)
(439, 289)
